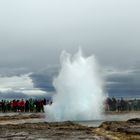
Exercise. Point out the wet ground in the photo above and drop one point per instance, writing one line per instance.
(28, 126)
(120, 130)
(32, 127)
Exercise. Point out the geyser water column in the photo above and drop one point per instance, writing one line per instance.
(79, 90)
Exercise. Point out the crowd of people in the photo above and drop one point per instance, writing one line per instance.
(113, 104)
(37, 105)
(29, 105)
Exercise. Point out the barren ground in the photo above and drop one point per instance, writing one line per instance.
(33, 126)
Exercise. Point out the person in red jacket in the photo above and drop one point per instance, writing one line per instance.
(18, 106)
(22, 105)
(14, 105)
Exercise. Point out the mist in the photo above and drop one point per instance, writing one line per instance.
(79, 90)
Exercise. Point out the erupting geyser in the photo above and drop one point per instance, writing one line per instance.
(79, 90)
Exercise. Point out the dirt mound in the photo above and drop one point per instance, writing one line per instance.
(120, 130)
(65, 130)
(28, 129)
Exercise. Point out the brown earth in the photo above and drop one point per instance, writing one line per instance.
(120, 130)
(33, 127)
(15, 130)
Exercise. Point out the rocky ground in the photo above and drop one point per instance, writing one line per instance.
(32, 127)
(120, 130)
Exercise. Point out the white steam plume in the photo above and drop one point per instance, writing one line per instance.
(79, 88)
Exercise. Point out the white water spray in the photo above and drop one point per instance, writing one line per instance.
(79, 90)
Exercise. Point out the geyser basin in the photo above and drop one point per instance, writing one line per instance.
(79, 90)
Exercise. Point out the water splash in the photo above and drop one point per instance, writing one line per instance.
(79, 90)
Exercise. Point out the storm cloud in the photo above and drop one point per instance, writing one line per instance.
(34, 32)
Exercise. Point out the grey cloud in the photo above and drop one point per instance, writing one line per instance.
(33, 34)
(119, 83)
(34, 38)
(19, 95)
(44, 79)
(12, 95)
(124, 84)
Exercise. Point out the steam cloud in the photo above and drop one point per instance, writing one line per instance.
(79, 90)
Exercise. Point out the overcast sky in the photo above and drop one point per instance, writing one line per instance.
(34, 32)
